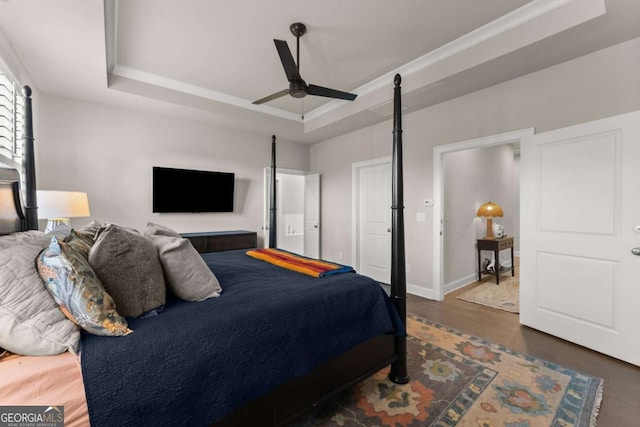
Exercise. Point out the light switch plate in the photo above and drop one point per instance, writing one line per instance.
(420, 217)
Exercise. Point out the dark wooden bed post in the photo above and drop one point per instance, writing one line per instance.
(398, 373)
(272, 198)
(31, 201)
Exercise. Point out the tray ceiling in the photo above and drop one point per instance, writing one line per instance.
(209, 60)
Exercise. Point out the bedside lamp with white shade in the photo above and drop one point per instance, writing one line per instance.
(59, 206)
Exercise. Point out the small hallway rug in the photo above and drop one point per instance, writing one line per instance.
(505, 296)
(461, 380)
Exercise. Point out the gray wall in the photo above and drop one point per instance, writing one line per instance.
(109, 152)
(598, 85)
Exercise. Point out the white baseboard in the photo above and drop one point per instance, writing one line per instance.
(457, 284)
(420, 291)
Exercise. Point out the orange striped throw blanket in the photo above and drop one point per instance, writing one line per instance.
(301, 264)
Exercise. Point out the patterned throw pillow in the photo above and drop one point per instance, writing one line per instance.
(80, 242)
(75, 287)
(83, 238)
(90, 230)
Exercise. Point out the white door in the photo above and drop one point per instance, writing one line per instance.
(374, 222)
(580, 219)
(312, 215)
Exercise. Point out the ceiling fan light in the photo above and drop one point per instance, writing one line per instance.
(297, 93)
(298, 89)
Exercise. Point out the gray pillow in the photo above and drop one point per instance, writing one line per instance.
(127, 264)
(159, 230)
(186, 273)
(31, 322)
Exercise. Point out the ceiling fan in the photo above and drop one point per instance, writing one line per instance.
(298, 88)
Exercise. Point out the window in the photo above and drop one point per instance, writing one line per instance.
(11, 121)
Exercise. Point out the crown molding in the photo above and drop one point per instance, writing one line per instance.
(499, 26)
(189, 89)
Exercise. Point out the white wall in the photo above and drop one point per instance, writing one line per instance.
(598, 85)
(109, 153)
(471, 178)
(516, 202)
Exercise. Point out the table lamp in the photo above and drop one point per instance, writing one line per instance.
(489, 210)
(59, 206)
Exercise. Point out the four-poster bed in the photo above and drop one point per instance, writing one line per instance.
(349, 359)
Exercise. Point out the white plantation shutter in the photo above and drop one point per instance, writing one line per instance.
(11, 121)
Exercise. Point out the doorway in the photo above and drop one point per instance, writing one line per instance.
(442, 215)
(298, 211)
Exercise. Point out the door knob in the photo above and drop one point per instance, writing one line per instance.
(315, 226)
(388, 230)
(635, 251)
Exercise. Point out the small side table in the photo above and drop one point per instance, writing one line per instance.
(495, 245)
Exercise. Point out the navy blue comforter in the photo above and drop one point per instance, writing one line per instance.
(198, 361)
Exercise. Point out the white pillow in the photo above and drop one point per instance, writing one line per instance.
(30, 321)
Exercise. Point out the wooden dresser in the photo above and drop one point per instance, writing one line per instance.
(217, 241)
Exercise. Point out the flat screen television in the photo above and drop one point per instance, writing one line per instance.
(185, 190)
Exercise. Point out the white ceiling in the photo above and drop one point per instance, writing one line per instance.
(209, 60)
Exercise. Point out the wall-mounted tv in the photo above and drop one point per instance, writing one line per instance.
(185, 190)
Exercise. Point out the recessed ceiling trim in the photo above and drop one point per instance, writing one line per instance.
(500, 27)
(447, 61)
(179, 86)
(526, 13)
(386, 108)
(110, 33)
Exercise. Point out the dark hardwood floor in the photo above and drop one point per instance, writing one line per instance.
(621, 400)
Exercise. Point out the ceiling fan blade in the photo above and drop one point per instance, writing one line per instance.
(290, 67)
(330, 93)
(271, 97)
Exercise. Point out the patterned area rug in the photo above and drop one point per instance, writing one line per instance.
(505, 296)
(461, 380)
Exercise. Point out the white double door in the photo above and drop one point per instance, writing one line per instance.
(580, 236)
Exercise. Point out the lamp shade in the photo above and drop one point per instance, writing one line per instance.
(62, 204)
(490, 210)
